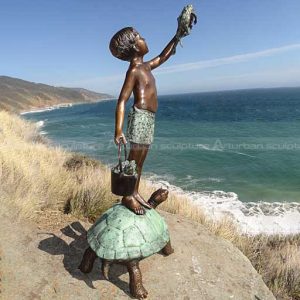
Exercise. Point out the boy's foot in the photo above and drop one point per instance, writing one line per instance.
(141, 200)
(131, 203)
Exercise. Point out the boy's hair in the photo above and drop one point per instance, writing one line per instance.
(121, 44)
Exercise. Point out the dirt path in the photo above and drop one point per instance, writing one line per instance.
(40, 264)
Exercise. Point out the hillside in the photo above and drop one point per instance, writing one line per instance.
(19, 95)
(52, 193)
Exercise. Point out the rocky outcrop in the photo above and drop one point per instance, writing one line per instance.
(41, 263)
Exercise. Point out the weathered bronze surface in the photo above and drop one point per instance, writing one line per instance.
(136, 285)
(141, 82)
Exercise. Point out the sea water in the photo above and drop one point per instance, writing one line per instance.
(234, 153)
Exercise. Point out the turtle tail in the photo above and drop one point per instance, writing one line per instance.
(105, 268)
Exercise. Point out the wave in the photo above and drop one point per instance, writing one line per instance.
(214, 148)
(40, 124)
(47, 108)
(250, 217)
(36, 111)
(241, 153)
(207, 147)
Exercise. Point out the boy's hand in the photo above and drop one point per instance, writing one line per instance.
(120, 137)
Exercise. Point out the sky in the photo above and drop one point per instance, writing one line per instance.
(236, 44)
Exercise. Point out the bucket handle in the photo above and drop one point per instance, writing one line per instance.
(119, 153)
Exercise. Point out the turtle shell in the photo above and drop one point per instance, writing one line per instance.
(120, 234)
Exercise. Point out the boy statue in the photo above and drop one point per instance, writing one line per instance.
(128, 45)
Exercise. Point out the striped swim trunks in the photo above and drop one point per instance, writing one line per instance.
(140, 126)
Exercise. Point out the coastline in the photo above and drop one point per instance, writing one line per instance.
(60, 105)
(252, 218)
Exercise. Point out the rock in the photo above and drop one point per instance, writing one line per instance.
(38, 264)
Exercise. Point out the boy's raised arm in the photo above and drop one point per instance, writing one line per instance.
(120, 109)
(164, 55)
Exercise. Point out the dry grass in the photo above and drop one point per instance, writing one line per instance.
(39, 179)
(35, 176)
(277, 259)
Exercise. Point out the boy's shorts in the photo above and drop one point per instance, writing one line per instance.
(140, 126)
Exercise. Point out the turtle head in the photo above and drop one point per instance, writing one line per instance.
(158, 197)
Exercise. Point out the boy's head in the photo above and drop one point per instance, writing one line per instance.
(122, 44)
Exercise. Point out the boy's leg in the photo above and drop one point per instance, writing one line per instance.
(143, 153)
(138, 153)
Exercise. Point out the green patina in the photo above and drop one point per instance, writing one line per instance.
(128, 167)
(120, 234)
(140, 126)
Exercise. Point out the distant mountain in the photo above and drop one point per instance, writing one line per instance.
(19, 95)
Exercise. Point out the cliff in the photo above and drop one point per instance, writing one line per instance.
(19, 95)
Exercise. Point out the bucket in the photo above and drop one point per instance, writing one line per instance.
(122, 184)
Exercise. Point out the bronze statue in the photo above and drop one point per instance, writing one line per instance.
(115, 239)
(128, 44)
(121, 234)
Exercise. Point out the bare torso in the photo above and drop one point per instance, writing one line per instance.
(144, 91)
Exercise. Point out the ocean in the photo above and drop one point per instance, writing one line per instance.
(234, 153)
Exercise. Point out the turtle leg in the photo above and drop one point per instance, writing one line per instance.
(167, 250)
(135, 280)
(88, 260)
(105, 268)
